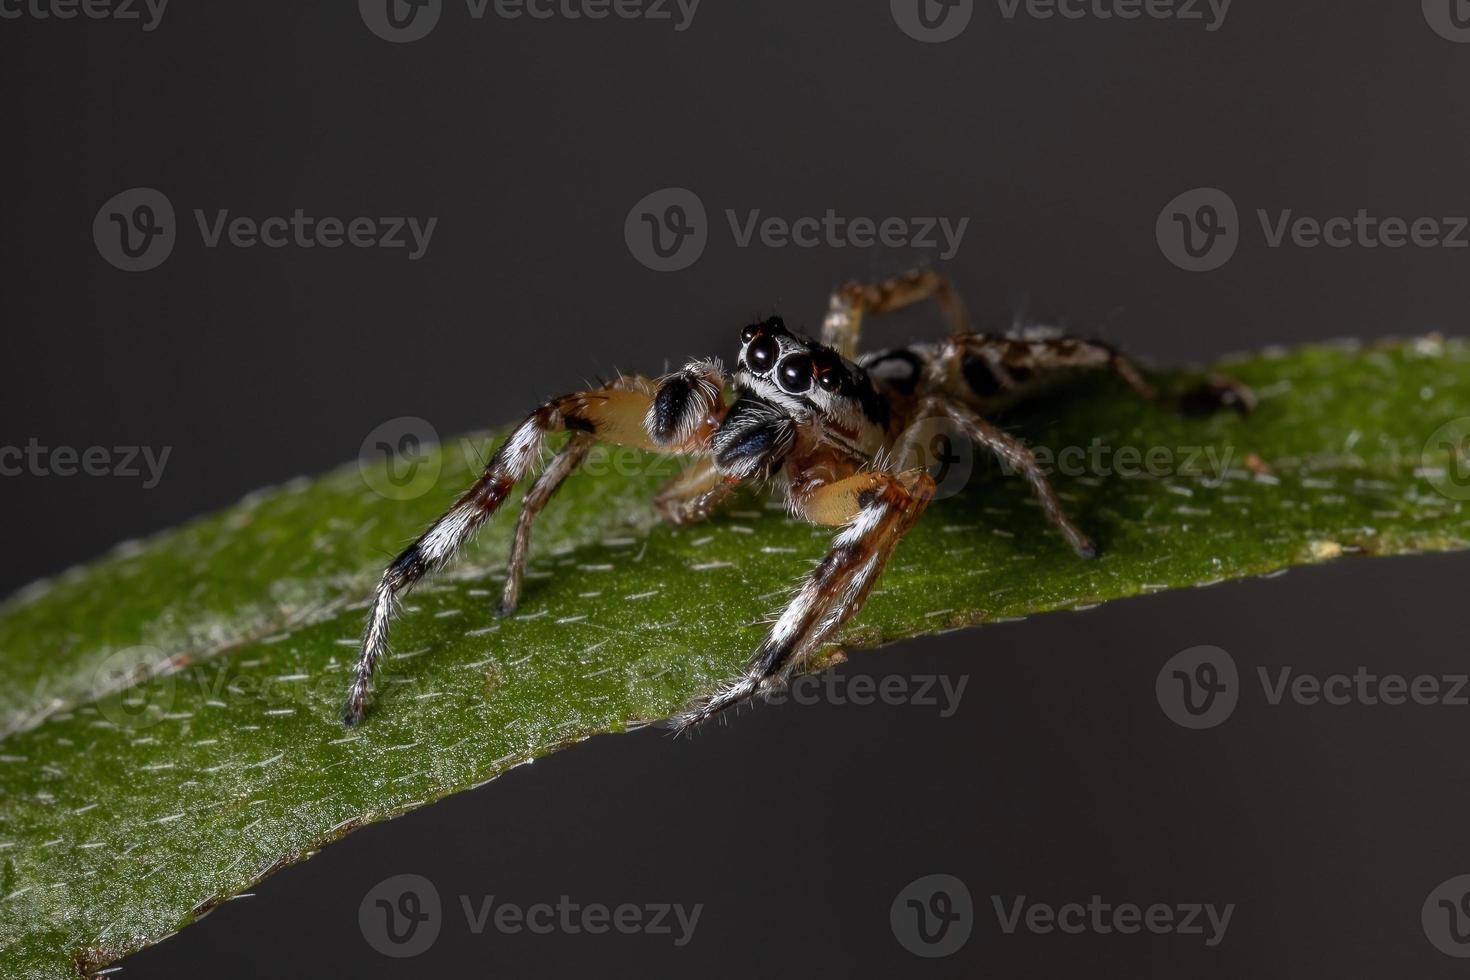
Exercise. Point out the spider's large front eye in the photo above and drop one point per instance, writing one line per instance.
(795, 373)
(761, 353)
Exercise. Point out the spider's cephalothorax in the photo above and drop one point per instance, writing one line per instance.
(827, 426)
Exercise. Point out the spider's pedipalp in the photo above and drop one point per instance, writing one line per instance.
(694, 494)
(685, 401)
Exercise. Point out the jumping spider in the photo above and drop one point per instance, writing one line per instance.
(828, 425)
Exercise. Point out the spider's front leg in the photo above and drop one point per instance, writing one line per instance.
(875, 510)
(676, 415)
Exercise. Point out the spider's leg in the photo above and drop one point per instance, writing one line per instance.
(875, 510)
(694, 494)
(1000, 369)
(1014, 453)
(850, 303)
(546, 485)
(682, 409)
(620, 413)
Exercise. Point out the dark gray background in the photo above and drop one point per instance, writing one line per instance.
(1061, 141)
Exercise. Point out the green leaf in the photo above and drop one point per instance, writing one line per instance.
(172, 709)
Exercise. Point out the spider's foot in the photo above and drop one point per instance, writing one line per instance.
(1215, 393)
(1080, 542)
(510, 596)
(356, 707)
(701, 711)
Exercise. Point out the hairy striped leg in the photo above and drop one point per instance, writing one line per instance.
(875, 510)
(1014, 453)
(677, 416)
(850, 303)
(997, 370)
(536, 499)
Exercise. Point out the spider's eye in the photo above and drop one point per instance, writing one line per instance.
(761, 354)
(795, 373)
(775, 323)
(828, 370)
(748, 334)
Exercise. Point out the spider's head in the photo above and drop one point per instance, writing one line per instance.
(800, 375)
